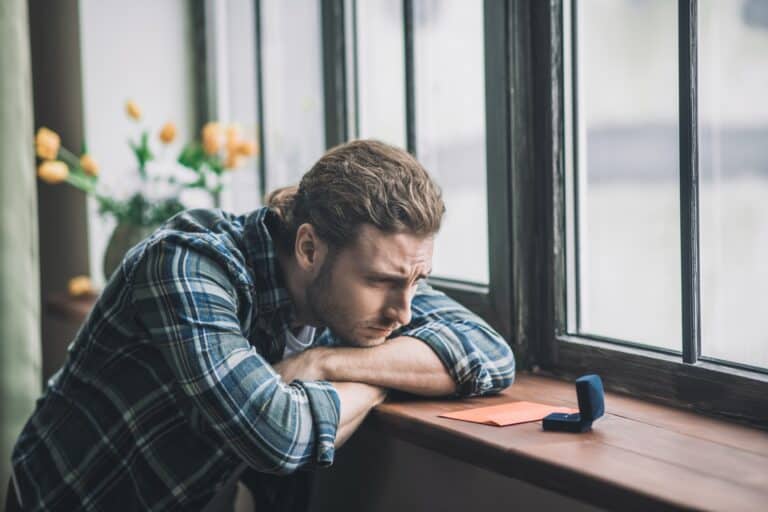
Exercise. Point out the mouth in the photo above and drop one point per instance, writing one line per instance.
(381, 330)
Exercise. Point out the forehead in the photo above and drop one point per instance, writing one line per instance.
(402, 253)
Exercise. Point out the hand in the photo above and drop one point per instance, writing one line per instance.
(306, 365)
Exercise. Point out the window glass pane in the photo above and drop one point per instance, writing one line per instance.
(116, 61)
(381, 71)
(627, 190)
(733, 138)
(450, 129)
(294, 129)
(236, 88)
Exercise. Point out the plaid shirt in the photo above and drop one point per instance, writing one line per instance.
(168, 386)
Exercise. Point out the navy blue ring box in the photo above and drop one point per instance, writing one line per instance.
(589, 391)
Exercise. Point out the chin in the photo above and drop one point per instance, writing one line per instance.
(375, 342)
(367, 341)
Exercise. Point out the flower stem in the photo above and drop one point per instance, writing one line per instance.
(69, 157)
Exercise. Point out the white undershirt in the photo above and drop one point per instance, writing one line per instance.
(298, 342)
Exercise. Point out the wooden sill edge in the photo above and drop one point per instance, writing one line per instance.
(409, 421)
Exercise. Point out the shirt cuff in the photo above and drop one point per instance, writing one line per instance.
(325, 406)
(448, 342)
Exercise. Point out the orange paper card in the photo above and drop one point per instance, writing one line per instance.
(510, 413)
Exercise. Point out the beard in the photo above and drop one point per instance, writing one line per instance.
(328, 311)
(322, 304)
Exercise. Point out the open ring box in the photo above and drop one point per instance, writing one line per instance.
(591, 397)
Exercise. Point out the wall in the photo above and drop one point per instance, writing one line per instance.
(376, 472)
(55, 49)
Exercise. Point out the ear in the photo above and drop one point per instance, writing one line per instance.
(309, 248)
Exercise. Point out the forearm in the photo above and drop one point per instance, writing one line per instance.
(406, 364)
(357, 399)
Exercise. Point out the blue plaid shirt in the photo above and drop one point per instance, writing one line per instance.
(168, 386)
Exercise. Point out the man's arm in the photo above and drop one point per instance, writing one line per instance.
(187, 306)
(403, 363)
(357, 400)
(445, 350)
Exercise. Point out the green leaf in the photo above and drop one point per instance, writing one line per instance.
(192, 156)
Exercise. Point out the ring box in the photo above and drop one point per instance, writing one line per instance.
(589, 391)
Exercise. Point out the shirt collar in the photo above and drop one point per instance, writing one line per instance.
(271, 294)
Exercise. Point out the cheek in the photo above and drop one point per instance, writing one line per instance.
(358, 303)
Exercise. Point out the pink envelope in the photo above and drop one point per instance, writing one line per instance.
(511, 413)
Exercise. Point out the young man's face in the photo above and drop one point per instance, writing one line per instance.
(364, 291)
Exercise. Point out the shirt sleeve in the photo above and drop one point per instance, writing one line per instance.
(188, 306)
(475, 355)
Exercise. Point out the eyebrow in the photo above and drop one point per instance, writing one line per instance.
(396, 277)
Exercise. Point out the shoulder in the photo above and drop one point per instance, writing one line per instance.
(194, 242)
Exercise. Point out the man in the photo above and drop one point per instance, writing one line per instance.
(260, 340)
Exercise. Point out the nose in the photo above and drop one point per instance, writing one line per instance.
(399, 309)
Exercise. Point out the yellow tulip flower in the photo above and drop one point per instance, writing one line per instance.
(233, 137)
(133, 110)
(89, 165)
(53, 171)
(47, 143)
(80, 286)
(167, 133)
(211, 138)
(233, 161)
(247, 148)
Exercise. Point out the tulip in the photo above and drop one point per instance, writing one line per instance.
(233, 137)
(211, 138)
(89, 165)
(53, 171)
(246, 148)
(167, 133)
(47, 143)
(79, 286)
(133, 110)
(233, 161)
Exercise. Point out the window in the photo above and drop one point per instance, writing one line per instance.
(450, 129)
(380, 41)
(110, 48)
(233, 87)
(604, 213)
(624, 214)
(652, 195)
(733, 164)
(291, 74)
(410, 93)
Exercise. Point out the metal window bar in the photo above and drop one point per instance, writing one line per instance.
(260, 101)
(579, 177)
(334, 72)
(689, 180)
(352, 71)
(410, 90)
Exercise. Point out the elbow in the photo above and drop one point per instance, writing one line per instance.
(283, 464)
(490, 374)
(504, 367)
(285, 439)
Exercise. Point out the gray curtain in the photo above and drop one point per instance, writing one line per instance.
(19, 279)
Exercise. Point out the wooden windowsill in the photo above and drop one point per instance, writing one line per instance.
(640, 456)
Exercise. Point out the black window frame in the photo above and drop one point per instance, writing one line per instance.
(693, 382)
(526, 298)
